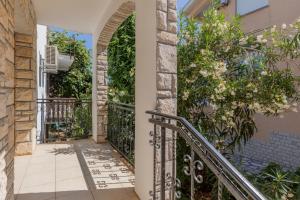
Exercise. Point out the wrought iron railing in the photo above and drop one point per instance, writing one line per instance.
(121, 128)
(201, 155)
(63, 118)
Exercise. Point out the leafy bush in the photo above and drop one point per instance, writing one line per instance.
(121, 61)
(227, 76)
(278, 184)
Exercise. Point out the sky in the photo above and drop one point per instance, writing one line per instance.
(88, 37)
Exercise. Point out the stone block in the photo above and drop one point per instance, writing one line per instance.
(3, 128)
(164, 94)
(3, 103)
(167, 106)
(172, 4)
(22, 106)
(167, 38)
(172, 15)
(23, 94)
(10, 53)
(164, 81)
(23, 83)
(172, 27)
(23, 38)
(23, 148)
(161, 20)
(11, 136)
(22, 63)
(9, 74)
(23, 126)
(23, 136)
(22, 118)
(24, 51)
(10, 97)
(23, 74)
(10, 115)
(162, 5)
(167, 58)
(3, 17)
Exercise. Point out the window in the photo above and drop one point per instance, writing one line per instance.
(247, 6)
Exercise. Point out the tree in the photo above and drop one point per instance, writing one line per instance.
(77, 82)
(226, 76)
(121, 62)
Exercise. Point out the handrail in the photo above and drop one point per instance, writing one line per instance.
(223, 165)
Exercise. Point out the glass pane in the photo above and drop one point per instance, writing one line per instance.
(247, 6)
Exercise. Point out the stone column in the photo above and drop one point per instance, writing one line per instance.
(156, 79)
(25, 94)
(6, 100)
(102, 88)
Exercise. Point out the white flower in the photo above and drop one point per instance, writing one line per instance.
(259, 38)
(204, 73)
(295, 104)
(224, 118)
(298, 20)
(283, 26)
(264, 41)
(264, 73)
(292, 25)
(273, 29)
(193, 65)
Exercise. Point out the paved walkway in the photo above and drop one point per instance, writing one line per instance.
(79, 170)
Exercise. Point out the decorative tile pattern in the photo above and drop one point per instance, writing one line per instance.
(106, 168)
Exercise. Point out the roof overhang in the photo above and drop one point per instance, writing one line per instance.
(83, 16)
(195, 8)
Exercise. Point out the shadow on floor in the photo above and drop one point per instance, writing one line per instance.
(78, 170)
(112, 194)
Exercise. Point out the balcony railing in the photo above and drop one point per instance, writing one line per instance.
(69, 117)
(201, 154)
(121, 128)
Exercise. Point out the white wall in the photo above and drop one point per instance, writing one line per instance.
(41, 84)
(145, 94)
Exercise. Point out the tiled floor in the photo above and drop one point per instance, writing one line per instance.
(79, 170)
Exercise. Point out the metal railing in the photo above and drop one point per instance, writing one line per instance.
(67, 115)
(121, 129)
(167, 185)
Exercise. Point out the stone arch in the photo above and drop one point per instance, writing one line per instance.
(122, 13)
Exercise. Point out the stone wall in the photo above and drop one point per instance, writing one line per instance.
(9, 23)
(6, 99)
(166, 56)
(280, 148)
(25, 93)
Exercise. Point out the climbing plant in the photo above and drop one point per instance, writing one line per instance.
(121, 62)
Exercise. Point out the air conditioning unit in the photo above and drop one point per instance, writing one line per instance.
(51, 61)
(64, 62)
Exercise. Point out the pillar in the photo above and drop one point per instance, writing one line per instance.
(156, 79)
(25, 93)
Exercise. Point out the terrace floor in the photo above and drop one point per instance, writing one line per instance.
(79, 170)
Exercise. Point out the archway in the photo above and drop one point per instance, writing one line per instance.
(155, 76)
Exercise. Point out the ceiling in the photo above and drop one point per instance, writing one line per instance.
(74, 15)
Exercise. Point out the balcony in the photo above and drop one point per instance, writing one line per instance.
(74, 170)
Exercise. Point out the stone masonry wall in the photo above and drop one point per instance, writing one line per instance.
(8, 93)
(25, 93)
(280, 148)
(166, 56)
(102, 89)
(6, 99)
